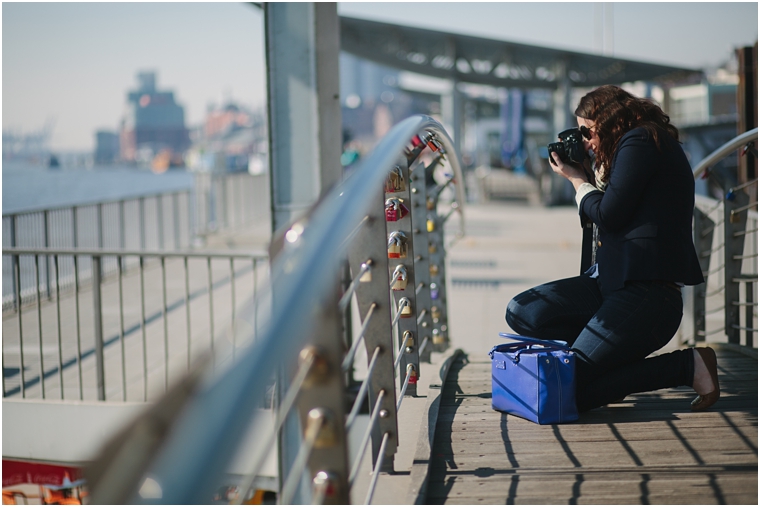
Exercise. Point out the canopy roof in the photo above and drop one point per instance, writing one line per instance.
(494, 62)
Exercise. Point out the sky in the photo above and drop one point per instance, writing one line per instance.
(72, 63)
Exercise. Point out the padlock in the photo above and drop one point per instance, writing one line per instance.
(433, 270)
(397, 245)
(399, 278)
(430, 204)
(406, 310)
(392, 209)
(432, 248)
(438, 337)
(734, 218)
(430, 225)
(435, 312)
(395, 209)
(413, 377)
(395, 181)
(433, 290)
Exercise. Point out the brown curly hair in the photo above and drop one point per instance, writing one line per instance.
(614, 112)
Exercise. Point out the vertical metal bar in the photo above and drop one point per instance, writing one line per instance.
(98, 309)
(3, 357)
(79, 330)
(14, 265)
(191, 218)
(166, 324)
(187, 310)
(17, 283)
(211, 307)
(75, 226)
(255, 301)
(46, 232)
(122, 230)
(100, 224)
(142, 327)
(58, 320)
(141, 207)
(160, 219)
(749, 314)
(37, 282)
(175, 212)
(121, 331)
(232, 293)
(734, 222)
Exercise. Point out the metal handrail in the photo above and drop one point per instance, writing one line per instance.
(85, 204)
(191, 461)
(725, 150)
(735, 227)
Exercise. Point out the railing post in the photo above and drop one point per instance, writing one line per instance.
(46, 233)
(749, 313)
(98, 312)
(160, 220)
(14, 263)
(703, 240)
(142, 222)
(175, 213)
(735, 223)
(423, 267)
(323, 396)
(370, 244)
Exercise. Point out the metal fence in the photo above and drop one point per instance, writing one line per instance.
(392, 240)
(724, 308)
(126, 336)
(165, 221)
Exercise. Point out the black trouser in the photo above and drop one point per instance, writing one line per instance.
(611, 335)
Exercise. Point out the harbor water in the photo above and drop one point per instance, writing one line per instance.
(28, 187)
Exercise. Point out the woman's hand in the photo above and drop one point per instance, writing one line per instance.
(575, 174)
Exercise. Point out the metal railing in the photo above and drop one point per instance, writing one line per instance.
(725, 236)
(163, 221)
(124, 336)
(398, 282)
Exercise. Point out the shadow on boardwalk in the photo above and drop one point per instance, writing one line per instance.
(649, 449)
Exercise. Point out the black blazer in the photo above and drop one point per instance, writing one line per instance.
(645, 215)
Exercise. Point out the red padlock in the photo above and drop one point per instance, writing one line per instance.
(391, 210)
(395, 209)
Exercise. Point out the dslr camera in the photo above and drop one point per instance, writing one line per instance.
(570, 147)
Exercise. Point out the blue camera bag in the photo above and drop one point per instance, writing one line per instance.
(534, 379)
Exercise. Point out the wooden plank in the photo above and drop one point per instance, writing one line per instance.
(648, 449)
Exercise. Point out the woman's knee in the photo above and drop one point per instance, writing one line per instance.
(519, 317)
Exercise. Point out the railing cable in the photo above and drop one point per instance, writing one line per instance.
(365, 438)
(362, 390)
(313, 427)
(377, 468)
(343, 303)
(282, 413)
(348, 361)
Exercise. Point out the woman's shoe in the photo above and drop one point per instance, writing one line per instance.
(705, 401)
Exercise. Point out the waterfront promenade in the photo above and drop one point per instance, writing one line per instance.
(455, 449)
(649, 449)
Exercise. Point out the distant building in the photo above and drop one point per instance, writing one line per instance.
(106, 147)
(153, 122)
(230, 137)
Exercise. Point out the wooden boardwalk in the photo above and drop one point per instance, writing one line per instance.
(649, 449)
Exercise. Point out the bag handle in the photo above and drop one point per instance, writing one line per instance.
(523, 343)
(528, 339)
